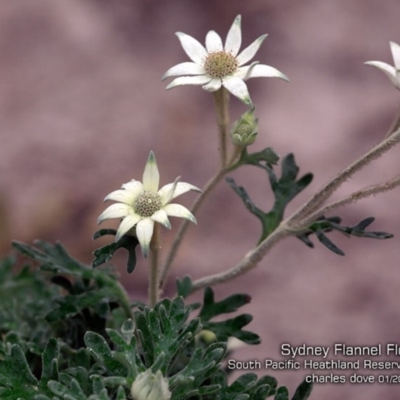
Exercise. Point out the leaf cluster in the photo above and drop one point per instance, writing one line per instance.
(43, 359)
(285, 188)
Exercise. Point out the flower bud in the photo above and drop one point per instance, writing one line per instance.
(149, 386)
(244, 131)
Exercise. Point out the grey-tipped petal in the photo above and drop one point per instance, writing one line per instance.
(395, 48)
(180, 188)
(161, 217)
(249, 52)
(124, 196)
(185, 68)
(193, 48)
(213, 42)
(144, 233)
(238, 88)
(213, 85)
(189, 80)
(234, 37)
(127, 224)
(117, 210)
(151, 176)
(266, 71)
(177, 210)
(389, 71)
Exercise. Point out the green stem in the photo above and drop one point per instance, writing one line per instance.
(153, 271)
(221, 99)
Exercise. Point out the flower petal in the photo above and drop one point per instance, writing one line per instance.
(266, 71)
(213, 42)
(161, 217)
(389, 70)
(180, 188)
(189, 80)
(213, 85)
(127, 223)
(238, 88)
(249, 52)
(151, 176)
(234, 37)
(243, 72)
(167, 195)
(144, 233)
(177, 210)
(193, 48)
(117, 210)
(185, 68)
(125, 196)
(132, 185)
(395, 48)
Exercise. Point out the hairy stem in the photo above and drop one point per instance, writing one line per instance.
(394, 127)
(221, 100)
(153, 270)
(185, 224)
(249, 261)
(352, 198)
(307, 214)
(324, 193)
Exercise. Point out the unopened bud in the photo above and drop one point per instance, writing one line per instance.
(244, 131)
(149, 386)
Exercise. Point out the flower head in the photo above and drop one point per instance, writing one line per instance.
(149, 386)
(392, 72)
(217, 65)
(142, 204)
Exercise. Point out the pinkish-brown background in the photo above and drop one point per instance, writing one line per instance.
(82, 105)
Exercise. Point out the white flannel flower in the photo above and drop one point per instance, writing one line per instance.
(149, 386)
(392, 72)
(217, 65)
(142, 204)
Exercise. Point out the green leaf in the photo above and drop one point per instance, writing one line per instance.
(303, 391)
(73, 391)
(16, 378)
(163, 330)
(106, 253)
(285, 189)
(101, 351)
(261, 158)
(184, 286)
(231, 327)
(323, 225)
(328, 243)
(212, 309)
(282, 394)
(49, 364)
(97, 289)
(246, 387)
(201, 365)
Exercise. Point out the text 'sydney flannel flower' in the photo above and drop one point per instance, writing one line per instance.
(392, 72)
(142, 204)
(217, 65)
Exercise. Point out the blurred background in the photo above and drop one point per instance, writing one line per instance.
(82, 104)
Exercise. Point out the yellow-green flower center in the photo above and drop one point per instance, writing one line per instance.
(220, 64)
(147, 203)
